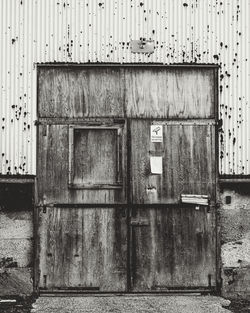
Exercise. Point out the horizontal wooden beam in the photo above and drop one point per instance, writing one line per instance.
(118, 205)
(145, 65)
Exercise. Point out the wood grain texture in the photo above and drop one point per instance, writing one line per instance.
(80, 92)
(188, 153)
(176, 249)
(132, 92)
(169, 93)
(95, 156)
(83, 248)
(53, 169)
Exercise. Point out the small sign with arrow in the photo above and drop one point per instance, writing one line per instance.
(156, 133)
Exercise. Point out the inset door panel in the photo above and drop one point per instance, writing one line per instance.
(95, 157)
(173, 247)
(187, 153)
(83, 249)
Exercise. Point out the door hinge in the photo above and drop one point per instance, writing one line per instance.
(44, 130)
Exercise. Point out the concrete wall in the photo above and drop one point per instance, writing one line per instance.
(235, 239)
(16, 240)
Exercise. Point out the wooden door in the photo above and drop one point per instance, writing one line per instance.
(111, 217)
(173, 244)
(82, 227)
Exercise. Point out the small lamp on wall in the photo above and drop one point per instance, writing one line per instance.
(142, 46)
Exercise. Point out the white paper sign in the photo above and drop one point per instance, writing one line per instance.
(156, 165)
(156, 133)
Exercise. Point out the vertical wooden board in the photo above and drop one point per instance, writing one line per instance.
(169, 93)
(104, 95)
(189, 160)
(53, 171)
(188, 153)
(60, 248)
(83, 248)
(53, 153)
(80, 92)
(176, 249)
(52, 92)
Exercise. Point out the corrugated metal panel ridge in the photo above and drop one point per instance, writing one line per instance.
(190, 31)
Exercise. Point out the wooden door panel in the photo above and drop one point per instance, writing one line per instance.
(188, 155)
(170, 93)
(173, 248)
(92, 148)
(55, 178)
(80, 92)
(83, 248)
(135, 92)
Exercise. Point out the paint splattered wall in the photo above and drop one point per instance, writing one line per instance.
(80, 31)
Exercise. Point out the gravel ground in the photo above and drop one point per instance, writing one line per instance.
(240, 306)
(22, 305)
(124, 304)
(131, 304)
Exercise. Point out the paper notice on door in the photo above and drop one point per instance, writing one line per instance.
(156, 133)
(156, 165)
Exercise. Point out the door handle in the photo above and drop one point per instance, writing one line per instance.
(141, 222)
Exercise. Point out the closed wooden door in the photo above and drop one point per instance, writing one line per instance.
(173, 244)
(120, 207)
(82, 227)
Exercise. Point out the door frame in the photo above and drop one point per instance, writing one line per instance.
(129, 204)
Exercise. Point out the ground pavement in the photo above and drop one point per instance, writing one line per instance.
(131, 304)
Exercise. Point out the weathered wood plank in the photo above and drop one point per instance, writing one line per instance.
(53, 164)
(177, 249)
(80, 92)
(188, 162)
(83, 248)
(169, 93)
(95, 156)
(140, 92)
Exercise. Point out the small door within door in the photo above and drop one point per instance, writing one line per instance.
(82, 219)
(173, 243)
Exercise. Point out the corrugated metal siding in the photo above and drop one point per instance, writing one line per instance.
(190, 31)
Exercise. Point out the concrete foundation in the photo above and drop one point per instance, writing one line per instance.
(234, 223)
(16, 240)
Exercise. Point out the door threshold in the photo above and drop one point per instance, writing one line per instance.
(76, 293)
